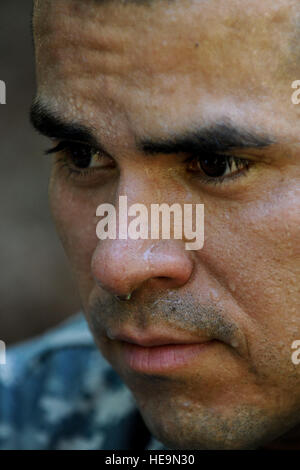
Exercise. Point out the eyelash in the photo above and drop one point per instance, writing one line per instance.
(230, 159)
(66, 147)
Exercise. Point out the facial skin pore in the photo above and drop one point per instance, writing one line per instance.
(131, 74)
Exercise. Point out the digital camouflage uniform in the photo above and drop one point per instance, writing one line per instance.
(58, 392)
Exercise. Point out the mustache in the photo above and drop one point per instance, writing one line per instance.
(183, 313)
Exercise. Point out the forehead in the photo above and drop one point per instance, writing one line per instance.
(149, 64)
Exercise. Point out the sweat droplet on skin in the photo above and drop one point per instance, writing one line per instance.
(232, 286)
(148, 252)
(214, 295)
(186, 404)
(109, 334)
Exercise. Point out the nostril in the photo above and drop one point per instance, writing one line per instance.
(123, 298)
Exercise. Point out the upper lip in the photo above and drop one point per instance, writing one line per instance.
(156, 338)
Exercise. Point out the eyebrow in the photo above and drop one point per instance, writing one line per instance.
(49, 124)
(215, 139)
(212, 139)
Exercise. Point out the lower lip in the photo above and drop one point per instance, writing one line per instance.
(161, 358)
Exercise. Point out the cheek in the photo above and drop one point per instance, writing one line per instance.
(75, 219)
(255, 255)
(271, 232)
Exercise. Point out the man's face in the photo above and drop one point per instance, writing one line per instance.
(138, 89)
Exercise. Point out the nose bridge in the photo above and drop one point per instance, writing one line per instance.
(142, 183)
(122, 265)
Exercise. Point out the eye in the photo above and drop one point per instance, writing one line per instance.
(217, 167)
(82, 156)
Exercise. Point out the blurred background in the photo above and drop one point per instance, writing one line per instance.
(36, 289)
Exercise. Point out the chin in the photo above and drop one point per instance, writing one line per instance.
(241, 428)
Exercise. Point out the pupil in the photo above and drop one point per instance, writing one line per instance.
(214, 166)
(81, 156)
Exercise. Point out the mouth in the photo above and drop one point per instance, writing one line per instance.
(156, 359)
(158, 353)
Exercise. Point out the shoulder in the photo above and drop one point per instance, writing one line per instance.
(71, 333)
(51, 352)
(57, 391)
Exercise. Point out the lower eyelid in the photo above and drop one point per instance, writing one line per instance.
(84, 176)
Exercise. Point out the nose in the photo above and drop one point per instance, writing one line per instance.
(122, 267)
